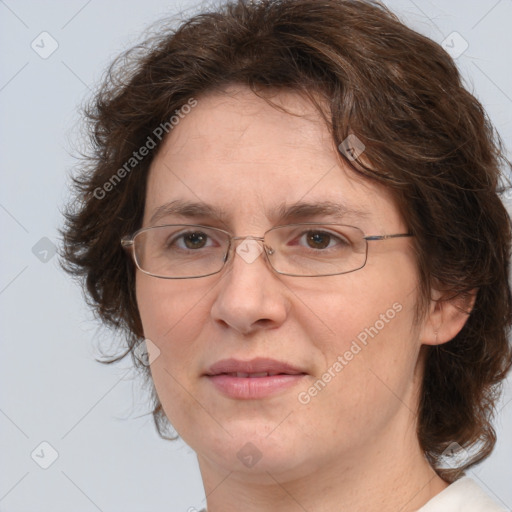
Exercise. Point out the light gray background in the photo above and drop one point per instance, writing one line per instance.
(51, 389)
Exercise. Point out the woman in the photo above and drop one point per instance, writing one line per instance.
(293, 207)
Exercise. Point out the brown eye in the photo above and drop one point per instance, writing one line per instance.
(318, 240)
(195, 240)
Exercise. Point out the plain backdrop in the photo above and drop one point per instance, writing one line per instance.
(100, 445)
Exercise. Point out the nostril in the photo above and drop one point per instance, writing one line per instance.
(263, 322)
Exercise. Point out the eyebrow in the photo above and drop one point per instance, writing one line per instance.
(302, 211)
(299, 211)
(187, 209)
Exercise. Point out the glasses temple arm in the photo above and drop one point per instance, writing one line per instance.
(385, 237)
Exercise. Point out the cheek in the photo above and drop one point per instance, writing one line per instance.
(370, 348)
(360, 306)
(170, 309)
(173, 315)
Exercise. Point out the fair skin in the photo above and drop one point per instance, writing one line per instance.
(353, 446)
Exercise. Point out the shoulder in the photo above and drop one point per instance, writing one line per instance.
(463, 495)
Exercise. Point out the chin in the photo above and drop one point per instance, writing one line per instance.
(251, 451)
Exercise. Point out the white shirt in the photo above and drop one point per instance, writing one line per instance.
(464, 495)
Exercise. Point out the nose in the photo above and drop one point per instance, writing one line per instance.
(250, 296)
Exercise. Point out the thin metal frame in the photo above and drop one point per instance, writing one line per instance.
(128, 243)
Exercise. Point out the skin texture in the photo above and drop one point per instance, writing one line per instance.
(354, 443)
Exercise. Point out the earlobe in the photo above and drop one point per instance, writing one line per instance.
(446, 317)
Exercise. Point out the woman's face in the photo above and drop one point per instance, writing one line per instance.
(347, 344)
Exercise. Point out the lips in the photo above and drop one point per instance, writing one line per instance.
(259, 367)
(254, 379)
(252, 375)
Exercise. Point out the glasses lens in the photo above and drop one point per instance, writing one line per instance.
(316, 249)
(180, 251)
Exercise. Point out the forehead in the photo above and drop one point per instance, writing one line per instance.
(238, 153)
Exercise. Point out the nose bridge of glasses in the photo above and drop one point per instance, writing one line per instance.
(248, 241)
(248, 237)
(249, 248)
(263, 240)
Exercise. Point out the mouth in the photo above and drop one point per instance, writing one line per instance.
(257, 367)
(254, 379)
(253, 375)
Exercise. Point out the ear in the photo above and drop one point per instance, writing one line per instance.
(446, 316)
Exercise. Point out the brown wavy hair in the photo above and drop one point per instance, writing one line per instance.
(427, 139)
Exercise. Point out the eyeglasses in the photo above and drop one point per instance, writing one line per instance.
(184, 251)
